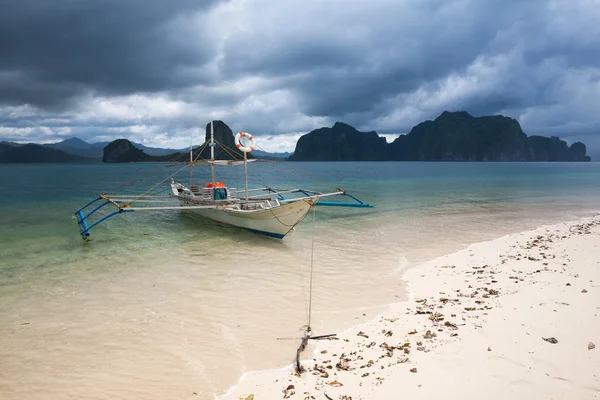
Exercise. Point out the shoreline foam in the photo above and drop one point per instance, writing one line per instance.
(372, 360)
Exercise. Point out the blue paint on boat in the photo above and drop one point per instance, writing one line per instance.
(271, 234)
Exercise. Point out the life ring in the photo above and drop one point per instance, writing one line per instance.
(248, 136)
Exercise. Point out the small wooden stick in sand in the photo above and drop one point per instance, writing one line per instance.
(305, 339)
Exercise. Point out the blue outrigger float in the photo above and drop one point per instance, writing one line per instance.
(265, 210)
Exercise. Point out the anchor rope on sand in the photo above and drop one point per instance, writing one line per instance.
(308, 333)
(312, 262)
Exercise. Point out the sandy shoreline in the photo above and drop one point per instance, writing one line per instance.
(479, 323)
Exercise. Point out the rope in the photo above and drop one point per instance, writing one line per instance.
(226, 149)
(289, 170)
(200, 152)
(145, 174)
(153, 187)
(299, 172)
(198, 156)
(295, 172)
(234, 156)
(312, 258)
(272, 163)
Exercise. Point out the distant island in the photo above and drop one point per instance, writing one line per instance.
(33, 153)
(453, 136)
(122, 150)
(68, 150)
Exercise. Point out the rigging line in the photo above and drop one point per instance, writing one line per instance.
(133, 187)
(311, 202)
(278, 178)
(283, 171)
(273, 167)
(272, 163)
(134, 179)
(200, 152)
(153, 187)
(145, 174)
(262, 182)
(301, 172)
(227, 150)
(234, 156)
(220, 151)
(261, 148)
(312, 258)
(276, 173)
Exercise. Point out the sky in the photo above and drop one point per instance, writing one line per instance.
(156, 72)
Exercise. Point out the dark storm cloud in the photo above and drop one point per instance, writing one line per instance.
(359, 59)
(348, 62)
(162, 69)
(51, 50)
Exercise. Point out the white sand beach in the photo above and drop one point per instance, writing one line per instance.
(516, 317)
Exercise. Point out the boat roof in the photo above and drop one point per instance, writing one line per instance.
(222, 162)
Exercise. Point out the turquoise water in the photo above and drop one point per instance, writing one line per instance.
(167, 304)
(38, 200)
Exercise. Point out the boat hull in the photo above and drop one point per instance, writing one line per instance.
(276, 222)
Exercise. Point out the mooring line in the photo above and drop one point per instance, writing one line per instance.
(312, 261)
(308, 333)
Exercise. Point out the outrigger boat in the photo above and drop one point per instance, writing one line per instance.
(265, 210)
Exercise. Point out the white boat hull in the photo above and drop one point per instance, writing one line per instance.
(276, 222)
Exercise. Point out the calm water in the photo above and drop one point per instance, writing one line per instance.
(165, 305)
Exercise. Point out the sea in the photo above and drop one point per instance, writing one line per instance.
(166, 305)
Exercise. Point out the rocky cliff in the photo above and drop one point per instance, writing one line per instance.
(453, 136)
(340, 143)
(225, 148)
(460, 137)
(553, 149)
(122, 150)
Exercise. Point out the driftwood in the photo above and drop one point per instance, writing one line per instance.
(323, 336)
(304, 343)
(299, 368)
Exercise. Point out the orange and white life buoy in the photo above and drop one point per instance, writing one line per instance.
(245, 149)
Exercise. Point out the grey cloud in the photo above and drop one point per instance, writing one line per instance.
(382, 65)
(352, 79)
(336, 73)
(63, 47)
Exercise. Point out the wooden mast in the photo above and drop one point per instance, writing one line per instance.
(212, 153)
(246, 174)
(191, 165)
